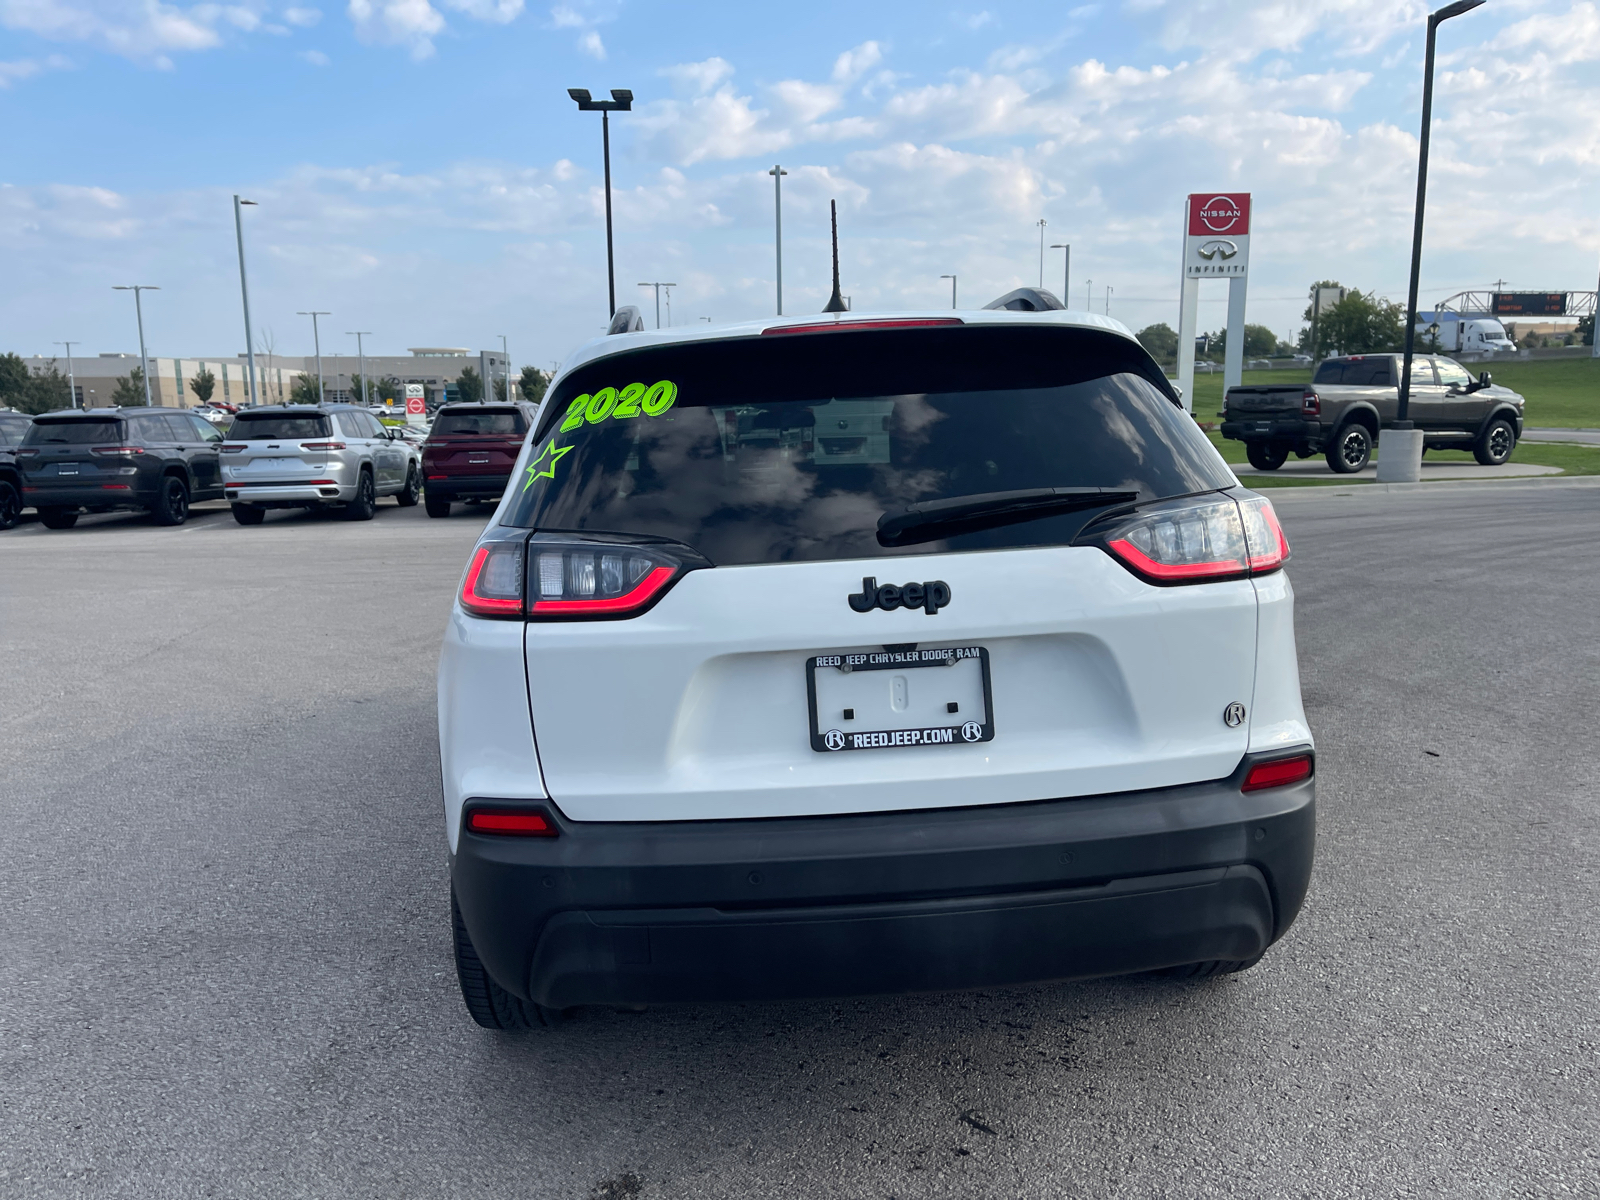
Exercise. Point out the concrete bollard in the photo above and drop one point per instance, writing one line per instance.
(1401, 458)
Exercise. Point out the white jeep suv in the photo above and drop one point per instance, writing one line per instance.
(843, 655)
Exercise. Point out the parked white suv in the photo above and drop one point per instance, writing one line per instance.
(844, 655)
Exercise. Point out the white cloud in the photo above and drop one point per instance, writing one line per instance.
(315, 57)
(303, 18)
(853, 64)
(696, 79)
(591, 45)
(134, 30)
(26, 68)
(409, 23)
(497, 12)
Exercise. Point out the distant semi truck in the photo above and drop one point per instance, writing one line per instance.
(1466, 335)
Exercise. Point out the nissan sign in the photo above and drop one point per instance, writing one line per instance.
(1218, 241)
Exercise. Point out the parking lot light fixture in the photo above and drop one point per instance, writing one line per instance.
(72, 384)
(1404, 463)
(952, 280)
(361, 357)
(777, 174)
(1041, 224)
(316, 340)
(1066, 270)
(244, 291)
(621, 101)
(658, 287)
(138, 311)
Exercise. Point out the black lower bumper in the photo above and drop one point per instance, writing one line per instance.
(1290, 431)
(468, 487)
(882, 903)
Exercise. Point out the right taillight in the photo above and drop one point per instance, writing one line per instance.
(554, 578)
(1280, 772)
(1310, 404)
(1196, 540)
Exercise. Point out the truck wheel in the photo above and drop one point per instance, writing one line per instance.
(172, 502)
(1351, 449)
(365, 504)
(58, 518)
(489, 1004)
(1266, 456)
(1495, 444)
(10, 504)
(249, 514)
(408, 496)
(438, 506)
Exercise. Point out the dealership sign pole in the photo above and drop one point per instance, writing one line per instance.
(1216, 245)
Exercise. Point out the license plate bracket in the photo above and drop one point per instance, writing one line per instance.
(908, 707)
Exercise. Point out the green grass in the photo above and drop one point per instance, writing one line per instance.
(1562, 393)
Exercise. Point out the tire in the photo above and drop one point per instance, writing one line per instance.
(1210, 969)
(1350, 450)
(1266, 456)
(249, 514)
(365, 505)
(10, 504)
(1495, 444)
(437, 506)
(58, 518)
(489, 1004)
(172, 502)
(408, 496)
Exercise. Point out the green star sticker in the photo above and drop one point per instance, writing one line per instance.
(549, 457)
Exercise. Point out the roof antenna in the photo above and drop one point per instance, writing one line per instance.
(836, 301)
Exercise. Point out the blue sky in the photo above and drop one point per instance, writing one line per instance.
(422, 174)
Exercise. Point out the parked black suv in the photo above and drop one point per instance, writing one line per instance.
(117, 459)
(13, 425)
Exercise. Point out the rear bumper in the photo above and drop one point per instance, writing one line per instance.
(329, 493)
(467, 487)
(99, 496)
(1274, 429)
(883, 903)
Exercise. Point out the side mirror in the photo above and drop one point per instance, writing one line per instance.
(1484, 379)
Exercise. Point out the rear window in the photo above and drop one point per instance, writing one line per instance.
(73, 432)
(12, 429)
(1358, 372)
(785, 448)
(250, 427)
(497, 422)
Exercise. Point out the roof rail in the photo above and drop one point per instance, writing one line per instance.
(627, 319)
(1027, 299)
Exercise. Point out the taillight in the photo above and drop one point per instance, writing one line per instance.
(1280, 772)
(26, 453)
(588, 580)
(493, 586)
(117, 451)
(322, 445)
(516, 822)
(1196, 540)
(1310, 404)
(232, 447)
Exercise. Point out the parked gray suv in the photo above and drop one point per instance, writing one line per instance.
(305, 456)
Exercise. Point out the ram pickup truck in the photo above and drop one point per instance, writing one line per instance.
(1350, 398)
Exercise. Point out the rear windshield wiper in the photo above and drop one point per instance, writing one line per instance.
(930, 520)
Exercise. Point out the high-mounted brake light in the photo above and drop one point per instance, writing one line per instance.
(1310, 404)
(493, 586)
(515, 822)
(117, 451)
(1280, 772)
(1197, 539)
(322, 445)
(853, 326)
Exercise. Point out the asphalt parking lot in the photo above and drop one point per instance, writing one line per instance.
(225, 962)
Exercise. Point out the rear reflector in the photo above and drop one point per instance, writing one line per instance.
(1278, 773)
(116, 487)
(515, 822)
(854, 326)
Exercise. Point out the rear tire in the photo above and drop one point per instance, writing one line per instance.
(1495, 444)
(1266, 456)
(437, 506)
(1351, 450)
(58, 518)
(365, 504)
(249, 514)
(1210, 969)
(489, 1004)
(10, 504)
(408, 496)
(172, 502)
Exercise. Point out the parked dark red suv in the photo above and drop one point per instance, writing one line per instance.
(470, 452)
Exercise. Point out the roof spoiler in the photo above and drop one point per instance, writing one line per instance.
(1027, 299)
(627, 319)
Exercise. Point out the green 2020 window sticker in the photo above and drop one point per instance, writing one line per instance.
(620, 405)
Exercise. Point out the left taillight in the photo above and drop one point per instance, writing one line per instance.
(1195, 540)
(492, 586)
(553, 578)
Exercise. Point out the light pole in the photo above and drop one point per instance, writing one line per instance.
(138, 310)
(1041, 251)
(658, 287)
(621, 101)
(952, 280)
(316, 340)
(1405, 464)
(505, 353)
(361, 356)
(72, 384)
(244, 291)
(1088, 295)
(669, 287)
(1066, 271)
(1108, 299)
(777, 174)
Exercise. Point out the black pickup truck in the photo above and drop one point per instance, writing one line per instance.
(1340, 412)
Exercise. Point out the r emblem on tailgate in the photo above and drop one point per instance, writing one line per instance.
(930, 596)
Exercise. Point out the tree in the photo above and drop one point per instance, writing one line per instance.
(1159, 339)
(535, 381)
(13, 380)
(130, 388)
(1259, 342)
(1586, 330)
(1358, 324)
(469, 386)
(390, 388)
(47, 391)
(305, 390)
(361, 389)
(203, 384)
